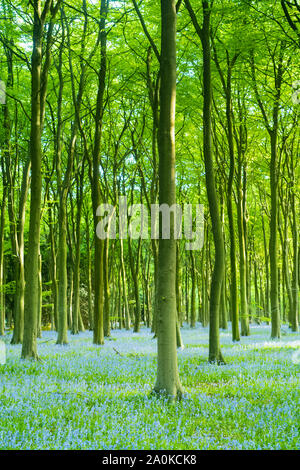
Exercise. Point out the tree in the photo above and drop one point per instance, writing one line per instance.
(203, 32)
(95, 180)
(227, 88)
(38, 97)
(167, 380)
(272, 128)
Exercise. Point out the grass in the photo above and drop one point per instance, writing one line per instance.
(89, 397)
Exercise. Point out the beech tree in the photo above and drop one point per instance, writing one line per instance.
(39, 76)
(114, 86)
(167, 369)
(203, 32)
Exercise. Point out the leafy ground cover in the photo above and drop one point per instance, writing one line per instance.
(98, 397)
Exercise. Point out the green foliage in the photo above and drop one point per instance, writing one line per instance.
(83, 397)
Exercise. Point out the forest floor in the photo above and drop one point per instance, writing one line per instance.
(98, 397)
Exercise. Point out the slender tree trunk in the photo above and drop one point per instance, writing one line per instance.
(242, 249)
(285, 264)
(134, 267)
(224, 324)
(40, 298)
(120, 311)
(89, 273)
(20, 275)
(233, 281)
(187, 297)
(257, 301)
(124, 288)
(193, 292)
(77, 325)
(267, 283)
(275, 314)
(295, 278)
(54, 284)
(272, 128)
(70, 299)
(178, 286)
(106, 289)
(226, 83)
(2, 225)
(155, 275)
(215, 354)
(62, 337)
(205, 294)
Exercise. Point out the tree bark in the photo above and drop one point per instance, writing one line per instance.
(167, 380)
(95, 181)
(215, 354)
(31, 300)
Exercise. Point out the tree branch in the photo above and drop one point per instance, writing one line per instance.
(152, 43)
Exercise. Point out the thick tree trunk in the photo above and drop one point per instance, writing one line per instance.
(96, 191)
(31, 300)
(38, 99)
(167, 380)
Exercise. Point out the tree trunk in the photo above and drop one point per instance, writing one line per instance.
(295, 278)
(167, 380)
(31, 300)
(62, 337)
(275, 314)
(96, 191)
(89, 273)
(193, 292)
(242, 249)
(106, 289)
(40, 304)
(20, 279)
(2, 223)
(215, 354)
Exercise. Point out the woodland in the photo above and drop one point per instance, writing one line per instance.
(181, 102)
